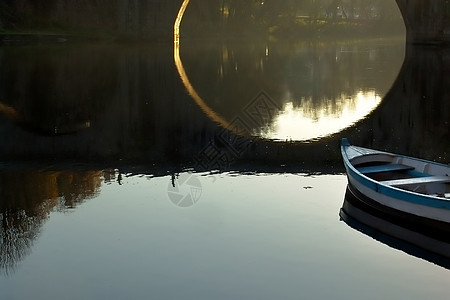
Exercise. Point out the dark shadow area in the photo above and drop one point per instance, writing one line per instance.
(126, 106)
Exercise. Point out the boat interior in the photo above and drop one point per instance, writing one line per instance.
(406, 173)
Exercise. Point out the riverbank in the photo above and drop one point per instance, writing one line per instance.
(44, 36)
(19, 37)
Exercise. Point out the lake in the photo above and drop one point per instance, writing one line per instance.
(208, 170)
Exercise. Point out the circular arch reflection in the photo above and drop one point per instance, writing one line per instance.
(307, 115)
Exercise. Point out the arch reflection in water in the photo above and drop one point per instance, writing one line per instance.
(320, 88)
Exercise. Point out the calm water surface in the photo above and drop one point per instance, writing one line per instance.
(207, 171)
(249, 236)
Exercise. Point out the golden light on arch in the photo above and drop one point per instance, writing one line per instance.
(182, 72)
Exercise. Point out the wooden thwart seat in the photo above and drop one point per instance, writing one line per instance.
(384, 168)
(417, 180)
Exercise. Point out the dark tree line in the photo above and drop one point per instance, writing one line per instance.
(54, 13)
(110, 16)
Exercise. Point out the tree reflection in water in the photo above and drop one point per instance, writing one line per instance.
(26, 201)
(17, 233)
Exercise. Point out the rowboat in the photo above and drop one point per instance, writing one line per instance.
(408, 188)
(403, 236)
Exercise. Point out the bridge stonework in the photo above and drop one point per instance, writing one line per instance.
(426, 21)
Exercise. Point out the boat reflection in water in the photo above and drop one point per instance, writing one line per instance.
(409, 237)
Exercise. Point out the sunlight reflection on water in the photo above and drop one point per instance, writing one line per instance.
(303, 122)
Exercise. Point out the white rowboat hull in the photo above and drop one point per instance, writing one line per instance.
(403, 184)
